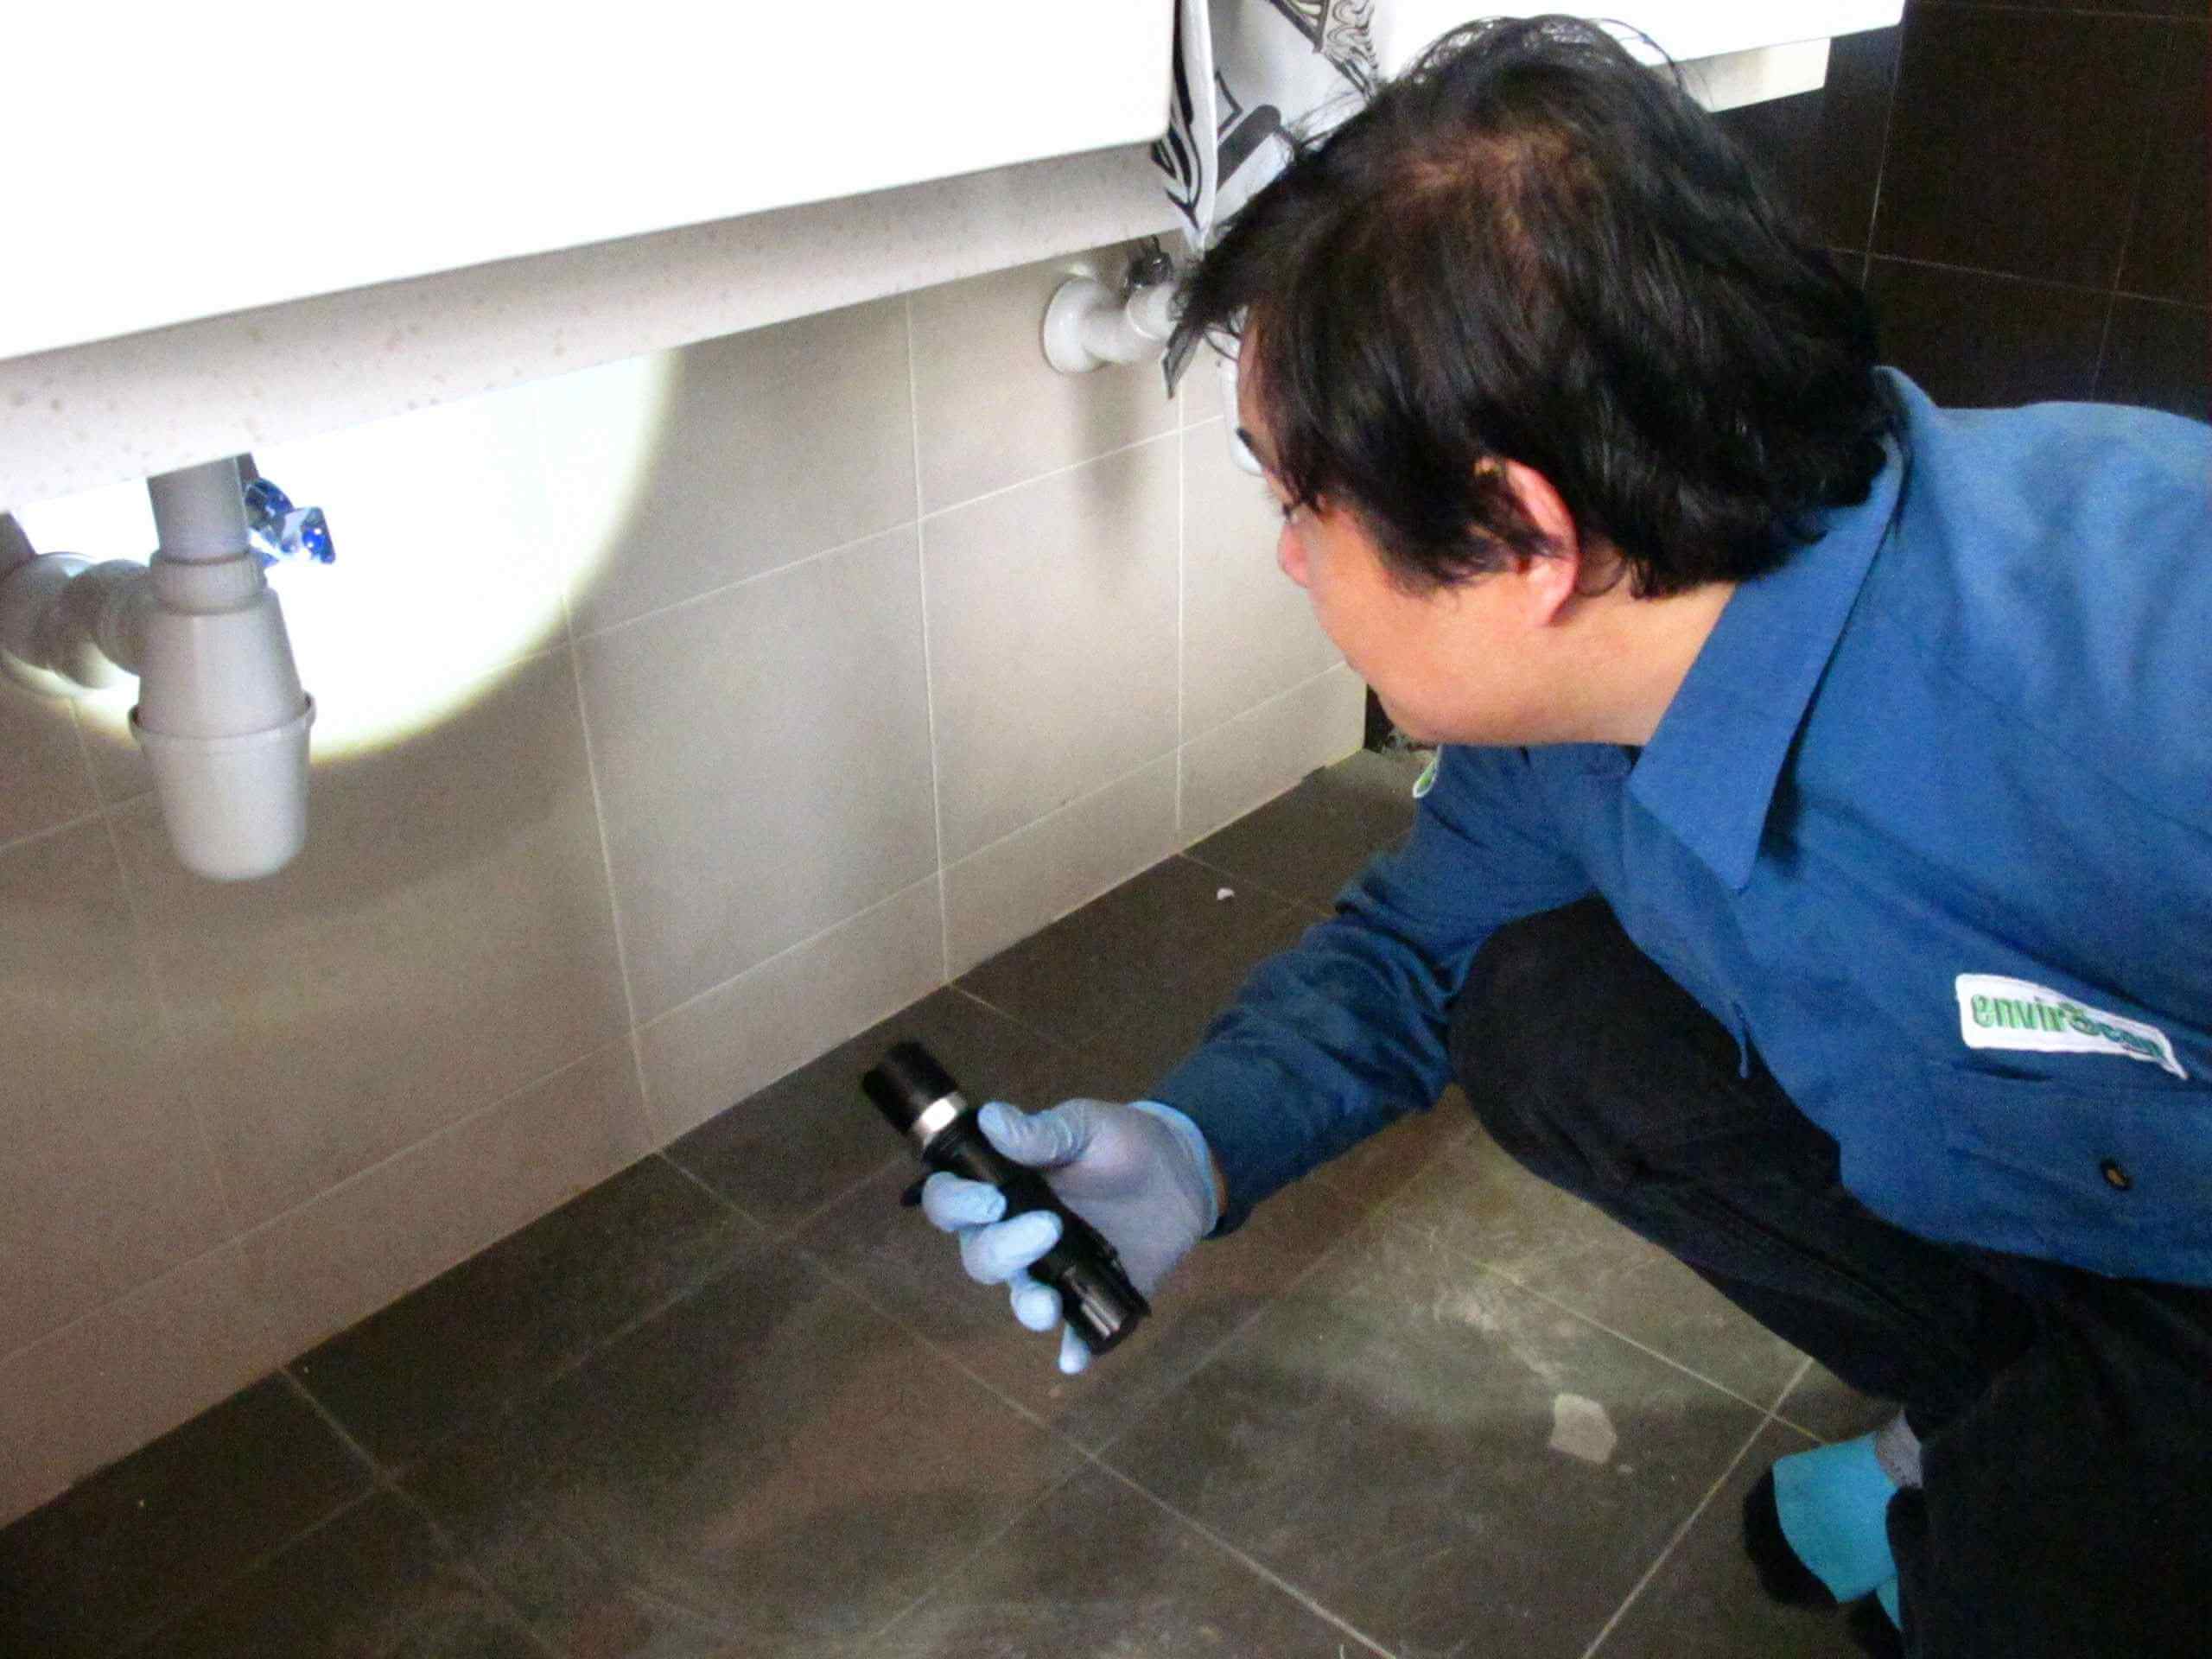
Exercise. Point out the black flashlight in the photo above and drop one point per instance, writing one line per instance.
(923, 1102)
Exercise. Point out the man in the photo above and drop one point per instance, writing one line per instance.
(1817, 876)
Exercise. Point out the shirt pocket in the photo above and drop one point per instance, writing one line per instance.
(2106, 1175)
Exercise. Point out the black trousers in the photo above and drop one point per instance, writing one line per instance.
(2065, 1418)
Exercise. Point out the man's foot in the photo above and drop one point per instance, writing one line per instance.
(1872, 1628)
(1816, 1525)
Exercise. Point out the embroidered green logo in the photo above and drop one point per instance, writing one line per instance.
(1995, 1012)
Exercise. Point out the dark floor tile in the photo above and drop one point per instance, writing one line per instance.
(2015, 141)
(2166, 240)
(374, 1584)
(1475, 1201)
(1827, 1407)
(2158, 356)
(125, 1552)
(1308, 843)
(1140, 944)
(1425, 1449)
(445, 1357)
(1824, 149)
(1976, 340)
(1137, 1041)
(781, 1155)
(1098, 1572)
(912, 1271)
(1706, 1600)
(768, 1468)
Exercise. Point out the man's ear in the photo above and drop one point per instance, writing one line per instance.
(1545, 581)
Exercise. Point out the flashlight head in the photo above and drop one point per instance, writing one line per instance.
(906, 1084)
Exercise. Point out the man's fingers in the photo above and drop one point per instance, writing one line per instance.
(1074, 1356)
(993, 1254)
(1036, 1305)
(1040, 1139)
(951, 1204)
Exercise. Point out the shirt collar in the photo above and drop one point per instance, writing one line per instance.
(1710, 770)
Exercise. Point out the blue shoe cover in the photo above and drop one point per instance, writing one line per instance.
(1886, 1593)
(1833, 1505)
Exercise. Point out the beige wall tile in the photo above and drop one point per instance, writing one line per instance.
(118, 767)
(1262, 752)
(1207, 393)
(1249, 631)
(443, 574)
(769, 447)
(1051, 616)
(990, 411)
(47, 782)
(715, 1051)
(445, 939)
(763, 757)
(400, 1224)
(106, 1183)
(1033, 877)
(131, 1371)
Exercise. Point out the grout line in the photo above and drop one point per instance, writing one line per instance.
(387, 1481)
(1790, 1388)
(950, 1570)
(1882, 156)
(929, 668)
(1057, 472)
(1361, 1224)
(1774, 1412)
(1062, 811)
(708, 1187)
(1681, 1532)
(1182, 602)
(165, 1020)
(2197, 306)
(1994, 274)
(379, 1474)
(460, 1560)
(443, 1133)
(1264, 1572)
(788, 1234)
(607, 865)
(2104, 346)
(52, 831)
(766, 962)
(1407, 1229)
(1052, 1040)
(1094, 1458)
(2127, 229)
(691, 600)
(1249, 880)
(191, 1603)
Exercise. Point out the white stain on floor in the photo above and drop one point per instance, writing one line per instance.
(1581, 1429)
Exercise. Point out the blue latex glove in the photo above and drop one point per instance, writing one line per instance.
(1139, 1173)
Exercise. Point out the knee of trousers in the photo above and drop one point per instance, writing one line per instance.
(1520, 1029)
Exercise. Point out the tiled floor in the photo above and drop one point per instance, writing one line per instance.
(737, 1402)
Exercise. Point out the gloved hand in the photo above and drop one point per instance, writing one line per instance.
(1139, 1173)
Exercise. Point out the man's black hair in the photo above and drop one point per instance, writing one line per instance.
(1532, 247)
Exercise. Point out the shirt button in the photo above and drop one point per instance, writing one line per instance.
(2116, 1176)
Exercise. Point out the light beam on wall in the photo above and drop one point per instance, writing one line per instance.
(460, 530)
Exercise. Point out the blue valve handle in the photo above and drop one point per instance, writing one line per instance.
(276, 530)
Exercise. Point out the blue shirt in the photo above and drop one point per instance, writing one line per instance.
(1929, 825)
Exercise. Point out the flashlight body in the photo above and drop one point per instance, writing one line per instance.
(923, 1102)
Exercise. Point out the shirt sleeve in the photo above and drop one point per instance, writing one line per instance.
(1344, 1034)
